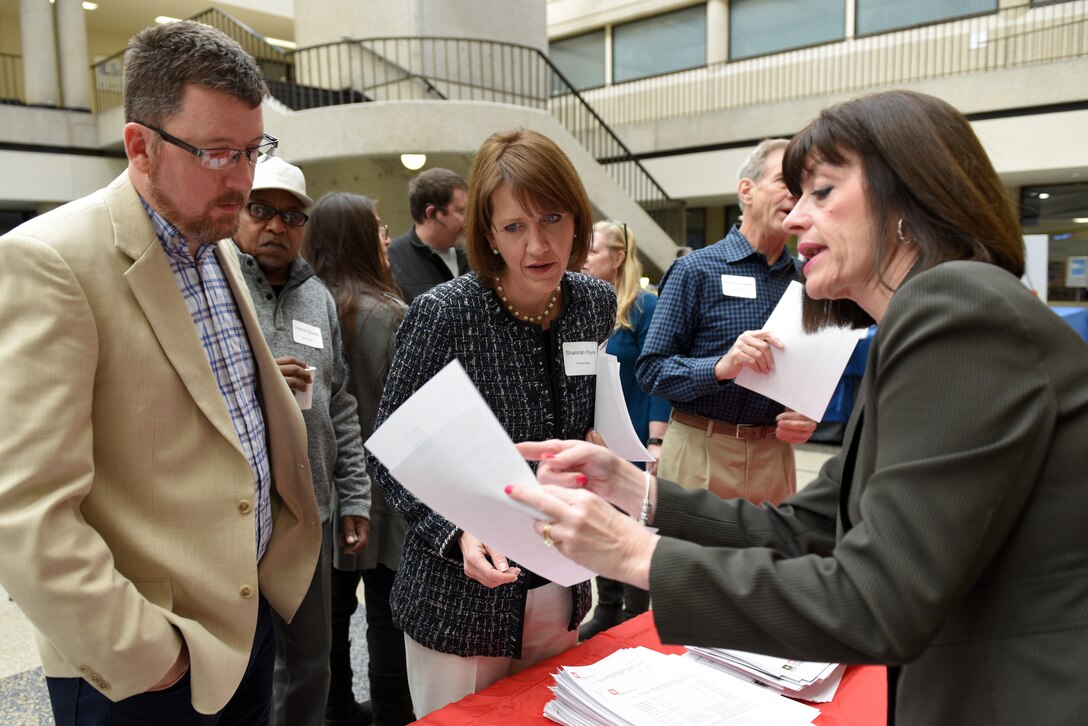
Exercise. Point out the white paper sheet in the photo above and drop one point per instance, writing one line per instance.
(611, 418)
(645, 688)
(807, 370)
(446, 447)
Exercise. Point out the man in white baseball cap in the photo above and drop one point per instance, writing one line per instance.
(298, 317)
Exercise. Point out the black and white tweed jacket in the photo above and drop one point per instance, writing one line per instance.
(432, 599)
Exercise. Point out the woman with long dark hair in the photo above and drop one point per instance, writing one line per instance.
(346, 245)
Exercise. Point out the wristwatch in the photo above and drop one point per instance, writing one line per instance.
(654, 441)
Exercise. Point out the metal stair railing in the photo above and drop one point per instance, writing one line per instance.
(438, 68)
(432, 68)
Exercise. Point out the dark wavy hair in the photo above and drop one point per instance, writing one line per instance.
(921, 162)
(343, 246)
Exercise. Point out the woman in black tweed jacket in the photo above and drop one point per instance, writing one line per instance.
(471, 616)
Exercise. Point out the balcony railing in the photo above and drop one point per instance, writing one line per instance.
(433, 69)
(437, 69)
(106, 74)
(1006, 39)
(11, 79)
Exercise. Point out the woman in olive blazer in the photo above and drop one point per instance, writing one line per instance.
(946, 540)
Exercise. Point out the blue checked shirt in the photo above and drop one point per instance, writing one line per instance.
(211, 304)
(695, 325)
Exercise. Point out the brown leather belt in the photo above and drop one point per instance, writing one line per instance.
(736, 431)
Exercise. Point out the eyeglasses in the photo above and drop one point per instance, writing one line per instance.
(264, 213)
(383, 231)
(220, 158)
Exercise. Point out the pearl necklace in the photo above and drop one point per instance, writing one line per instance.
(522, 316)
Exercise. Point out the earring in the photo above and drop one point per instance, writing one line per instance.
(494, 251)
(899, 232)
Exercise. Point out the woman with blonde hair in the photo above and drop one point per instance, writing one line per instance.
(613, 257)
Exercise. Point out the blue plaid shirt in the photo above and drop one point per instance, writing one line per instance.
(695, 325)
(211, 304)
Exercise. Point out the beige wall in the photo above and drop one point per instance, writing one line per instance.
(572, 17)
(322, 21)
(1025, 150)
(10, 41)
(31, 179)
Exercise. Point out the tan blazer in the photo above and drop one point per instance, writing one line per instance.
(126, 501)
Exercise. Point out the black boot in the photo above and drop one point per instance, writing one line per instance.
(351, 713)
(341, 708)
(609, 610)
(393, 707)
(635, 601)
(386, 668)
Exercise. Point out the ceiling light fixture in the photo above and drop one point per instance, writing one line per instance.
(164, 19)
(412, 162)
(1044, 195)
(280, 43)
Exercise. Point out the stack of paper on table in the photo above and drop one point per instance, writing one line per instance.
(807, 680)
(641, 687)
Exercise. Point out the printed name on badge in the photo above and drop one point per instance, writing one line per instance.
(306, 334)
(738, 286)
(580, 359)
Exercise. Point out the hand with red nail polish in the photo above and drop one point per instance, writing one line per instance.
(582, 465)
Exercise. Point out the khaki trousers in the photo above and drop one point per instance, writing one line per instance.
(437, 679)
(756, 469)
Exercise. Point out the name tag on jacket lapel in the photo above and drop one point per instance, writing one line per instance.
(306, 334)
(739, 286)
(580, 359)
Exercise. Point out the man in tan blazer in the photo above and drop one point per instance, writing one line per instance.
(155, 494)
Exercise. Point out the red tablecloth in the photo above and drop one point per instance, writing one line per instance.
(860, 701)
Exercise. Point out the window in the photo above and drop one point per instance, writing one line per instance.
(696, 227)
(661, 44)
(880, 16)
(761, 27)
(1060, 211)
(580, 59)
(12, 218)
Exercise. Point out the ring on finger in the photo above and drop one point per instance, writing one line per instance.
(548, 542)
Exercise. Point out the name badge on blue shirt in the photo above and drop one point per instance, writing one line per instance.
(739, 286)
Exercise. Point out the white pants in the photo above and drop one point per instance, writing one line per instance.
(437, 679)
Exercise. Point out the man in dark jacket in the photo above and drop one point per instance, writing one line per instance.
(427, 255)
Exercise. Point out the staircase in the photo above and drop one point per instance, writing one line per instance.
(438, 69)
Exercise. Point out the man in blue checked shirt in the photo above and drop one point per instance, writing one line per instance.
(712, 304)
(156, 504)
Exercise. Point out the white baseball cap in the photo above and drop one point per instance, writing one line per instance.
(275, 173)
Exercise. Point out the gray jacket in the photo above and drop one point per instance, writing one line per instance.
(370, 355)
(332, 428)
